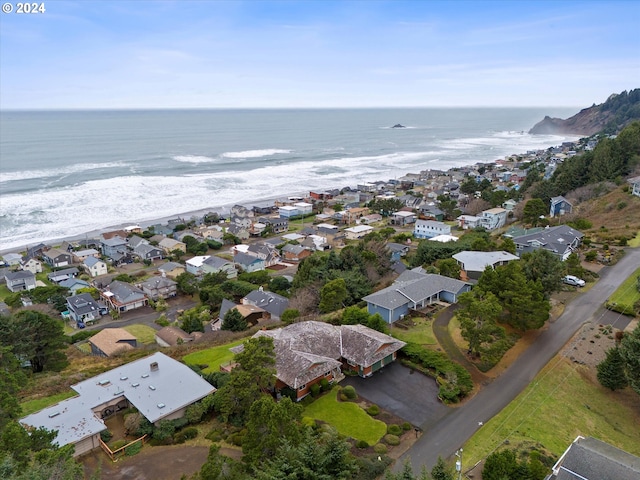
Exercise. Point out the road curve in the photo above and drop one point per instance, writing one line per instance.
(453, 430)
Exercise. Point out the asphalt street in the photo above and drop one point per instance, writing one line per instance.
(455, 428)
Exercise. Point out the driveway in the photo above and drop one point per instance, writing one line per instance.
(395, 388)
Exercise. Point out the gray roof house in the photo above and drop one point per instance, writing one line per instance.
(308, 352)
(634, 183)
(560, 206)
(158, 386)
(413, 290)
(20, 281)
(60, 275)
(95, 266)
(74, 284)
(215, 264)
(271, 302)
(57, 258)
(159, 287)
(148, 252)
(83, 308)
(588, 458)
(113, 246)
(562, 241)
(122, 296)
(249, 263)
(474, 263)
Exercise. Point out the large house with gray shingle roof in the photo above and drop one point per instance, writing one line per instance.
(122, 296)
(562, 241)
(413, 290)
(308, 352)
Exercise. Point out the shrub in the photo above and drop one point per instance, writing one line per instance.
(131, 450)
(132, 423)
(214, 435)
(394, 430)
(362, 444)
(373, 410)
(236, 439)
(343, 397)
(195, 412)
(350, 392)
(83, 335)
(315, 390)
(325, 386)
(162, 321)
(309, 422)
(380, 448)
(190, 432)
(106, 435)
(118, 444)
(591, 255)
(406, 426)
(391, 439)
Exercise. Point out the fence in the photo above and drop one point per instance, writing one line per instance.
(115, 454)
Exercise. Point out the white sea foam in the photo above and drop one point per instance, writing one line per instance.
(56, 172)
(193, 159)
(255, 153)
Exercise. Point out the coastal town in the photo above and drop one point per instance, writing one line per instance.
(187, 284)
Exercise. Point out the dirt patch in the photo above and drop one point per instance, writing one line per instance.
(152, 463)
(589, 346)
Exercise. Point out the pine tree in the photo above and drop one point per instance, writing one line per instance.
(630, 353)
(611, 370)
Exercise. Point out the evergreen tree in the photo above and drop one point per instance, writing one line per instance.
(234, 321)
(333, 295)
(611, 370)
(630, 353)
(478, 316)
(441, 471)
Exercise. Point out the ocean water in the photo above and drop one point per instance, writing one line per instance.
(64, 173)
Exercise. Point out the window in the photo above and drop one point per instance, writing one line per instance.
(302, 387)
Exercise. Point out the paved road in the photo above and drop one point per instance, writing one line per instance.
(455, 428)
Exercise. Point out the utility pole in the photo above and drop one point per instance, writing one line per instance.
(459, 463)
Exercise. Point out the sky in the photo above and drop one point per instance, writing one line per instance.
(264, 54)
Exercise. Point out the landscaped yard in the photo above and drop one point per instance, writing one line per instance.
(560, 404)
(348, 418)
(31, 406)
(143, 333)
(213, 357)
(627, 294)
(421, 333)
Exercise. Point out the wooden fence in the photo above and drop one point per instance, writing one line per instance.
(115, 454)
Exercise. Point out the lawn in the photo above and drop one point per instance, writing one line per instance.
(626, 295)
(421, 333)
(348, 418)
(635, 242)
(143, 333)
(213, 357)
(554, 409)
(31, 406)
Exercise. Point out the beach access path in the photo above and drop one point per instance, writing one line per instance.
(452, 431)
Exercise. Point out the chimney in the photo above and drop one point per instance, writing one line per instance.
(154, 366)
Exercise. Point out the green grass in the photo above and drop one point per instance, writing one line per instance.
(554, 409)
(213, 357)
(626, 295)
(635, 241)
(143, 333)
(348, 418)
(421, 333)
(31, 406)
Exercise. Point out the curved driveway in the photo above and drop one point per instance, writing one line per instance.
(455, 428)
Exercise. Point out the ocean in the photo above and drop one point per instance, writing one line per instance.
(65, 173)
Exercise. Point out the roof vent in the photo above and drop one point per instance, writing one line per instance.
(154, 366)
(54, 414)
(161, 405)
(119, 392)
(104, 382)
(151, 387)
(134, 385)
(145, 375)
(124, 377)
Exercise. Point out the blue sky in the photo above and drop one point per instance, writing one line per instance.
(217, 54)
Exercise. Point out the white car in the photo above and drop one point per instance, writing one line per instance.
(573, 280)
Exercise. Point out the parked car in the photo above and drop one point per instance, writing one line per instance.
(573, 280)
(80, 324)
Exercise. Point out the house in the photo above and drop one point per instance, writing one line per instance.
(562, 241)
(266, 252)
(239, 231)
(111, 341)
(275, 225)
(431, 212)
(430, 228)
(270, 302)
(560, 206)
(57, 258)
(509, 205)
(473, 264)
(295, 253)
(413, 290)
(157, 386)
(95, 266)
(357, 232)
(215, 264)
(122, 296)
(469, 222)
(169, 245)
(74, 284)
(251, 313)
(81, 255)
(493, 218)
(369, 219)
(159, 287)
(212, 232)
(195, 264)
(83, 308)
(249, 263)
(32, 265)
(589, 458)
(20, 281)
(172, 336)
(309, 352)
(135, 241)
(634, 184)
(171, 269)
(402, 218)
(12, 259)
(397, 251)
(64, 274)
(289, 211)
(113, 247)
(148, 252)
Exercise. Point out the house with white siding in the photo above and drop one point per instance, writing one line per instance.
(430, 229)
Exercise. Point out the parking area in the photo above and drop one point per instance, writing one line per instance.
(403, 392)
